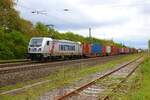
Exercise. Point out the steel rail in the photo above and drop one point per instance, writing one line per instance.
(76, 91)
(119, 85)
(13, 61)
(16, 64)
(49, 64)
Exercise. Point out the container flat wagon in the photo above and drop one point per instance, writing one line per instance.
(108, 50)
(114, 50)
(86, 47)
(96, 50)
(104, 53)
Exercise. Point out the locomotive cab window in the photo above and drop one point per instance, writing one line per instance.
(36, 42)
(47, 43)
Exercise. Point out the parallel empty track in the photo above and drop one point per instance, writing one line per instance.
(33, 65)
(17, 63)
(91, 88)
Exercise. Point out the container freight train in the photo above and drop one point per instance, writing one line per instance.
(45, 48)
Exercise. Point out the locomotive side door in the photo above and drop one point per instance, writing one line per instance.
(47, 47)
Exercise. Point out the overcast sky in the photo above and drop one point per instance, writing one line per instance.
(124, 21)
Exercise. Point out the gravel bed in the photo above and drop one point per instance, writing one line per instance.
(93, 92)
(52, 95)
(22, 76)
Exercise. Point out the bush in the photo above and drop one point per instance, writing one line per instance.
(12, 45)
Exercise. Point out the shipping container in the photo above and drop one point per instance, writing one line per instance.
(114, 50)
(130, 50)
(108, 50)
(96, 50)
(126, 50)
(134, 50)
(121, 51)
(104, 51)
(86, 49)
(117, 53)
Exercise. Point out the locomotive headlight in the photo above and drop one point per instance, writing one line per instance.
(39, 49)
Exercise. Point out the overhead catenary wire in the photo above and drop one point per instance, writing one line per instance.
(46, 13)
(66, 9)
(31, 10)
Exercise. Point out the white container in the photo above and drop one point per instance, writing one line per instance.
(108, 49)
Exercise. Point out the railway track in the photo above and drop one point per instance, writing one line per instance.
(108, 97)
(24, 66)
(18, 63)
(6, 64)
(89, 91)
(95, 60)
(13, 61)
(23, 73)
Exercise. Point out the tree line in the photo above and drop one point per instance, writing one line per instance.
(15, 33)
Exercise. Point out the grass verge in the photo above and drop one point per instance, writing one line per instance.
(64, 76)
(137, 87)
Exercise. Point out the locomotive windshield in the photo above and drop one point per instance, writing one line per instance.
(36, 42)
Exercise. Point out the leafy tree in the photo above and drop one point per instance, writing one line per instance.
(42, 29)
(16, 32)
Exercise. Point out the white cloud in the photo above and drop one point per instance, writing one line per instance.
(125, 21)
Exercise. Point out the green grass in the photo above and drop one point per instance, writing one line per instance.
(138, 86)
(142, 92)
(64, 76)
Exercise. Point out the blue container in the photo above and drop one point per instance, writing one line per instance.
(96, 49)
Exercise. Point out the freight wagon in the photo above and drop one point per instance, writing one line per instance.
(96, 50)
(121, 50)
(108, 50)
(126, 50)
(104, 51)
(133, 50)
(86, 47)
(114, 50)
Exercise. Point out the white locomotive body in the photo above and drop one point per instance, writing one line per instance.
(46, 48)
